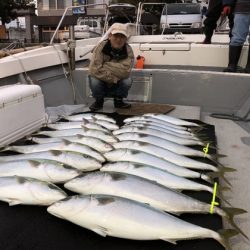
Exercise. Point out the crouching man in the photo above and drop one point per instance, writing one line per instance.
(110, 68)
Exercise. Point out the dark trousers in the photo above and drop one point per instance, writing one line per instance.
(213, 14)
(100, 89)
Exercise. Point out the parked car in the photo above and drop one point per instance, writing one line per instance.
(86, 28)
(181, 17)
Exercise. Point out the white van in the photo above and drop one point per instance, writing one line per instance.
(86, 28)
(181, 17)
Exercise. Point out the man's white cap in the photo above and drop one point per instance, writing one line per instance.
(119, 28)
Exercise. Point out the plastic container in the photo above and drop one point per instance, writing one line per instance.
(22, 111)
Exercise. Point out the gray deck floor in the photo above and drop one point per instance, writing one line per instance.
(229, 135)
(237, 153)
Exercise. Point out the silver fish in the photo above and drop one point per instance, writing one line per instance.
(88, 116)
(165, 154)
(93, 142)
(162, 177)
(158, 123)
(173, 120)
(70, 125)
(19, 190)
(163, 135)
(187, 135)
(163, 143)
(148, 159)
(73, 159)
(148, 119)
(166, 129)
(64, 145)
(110, 215)
(83, 131)
(106, 124)
(44, 170)
(145, 191)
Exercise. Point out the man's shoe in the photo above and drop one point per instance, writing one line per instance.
(247, 70)
(120, 104)
(230, 68)
(234, 55)
(206, 41)
(98, 104)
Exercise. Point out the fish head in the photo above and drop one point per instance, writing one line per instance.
(116, 166)
(69, 171)
(70, 206)
(108, 147)
(85, 182)
(56, 169)
(45, 192)
(115, 154)
(85, 158)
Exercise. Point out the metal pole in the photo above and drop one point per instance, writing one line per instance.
(71, 44)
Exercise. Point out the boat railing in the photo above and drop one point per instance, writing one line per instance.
(71, 8)
(140, 12)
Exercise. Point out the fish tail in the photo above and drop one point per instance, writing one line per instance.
(214, 160)
(230, 213)
(223, 236)
(222, 172)
(3, 149)
(213, 157)
(219, 174)
(221, 196)
(195, 130)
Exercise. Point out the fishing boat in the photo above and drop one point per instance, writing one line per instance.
(178, 70)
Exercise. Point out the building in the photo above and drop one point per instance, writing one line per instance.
(49, 13)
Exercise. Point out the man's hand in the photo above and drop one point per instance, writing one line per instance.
(226, 11)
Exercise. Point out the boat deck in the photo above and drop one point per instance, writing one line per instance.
(237, 153)
(229, 140)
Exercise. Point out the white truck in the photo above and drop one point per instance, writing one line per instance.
(181, 17)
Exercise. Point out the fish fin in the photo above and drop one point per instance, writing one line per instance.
(100, 230)
(85, 129)
(13, 202)
(93, 118)
(79, 136)
(55, 152)
(224, 236)
(66, 142)
(169, 240)
(34, 163)
(220, 155)
(85, 121)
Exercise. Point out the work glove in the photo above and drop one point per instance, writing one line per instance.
(226, 11)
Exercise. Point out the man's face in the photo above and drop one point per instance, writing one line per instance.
(117, 40)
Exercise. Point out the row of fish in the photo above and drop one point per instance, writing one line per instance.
(27, 177)
(148, 163)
